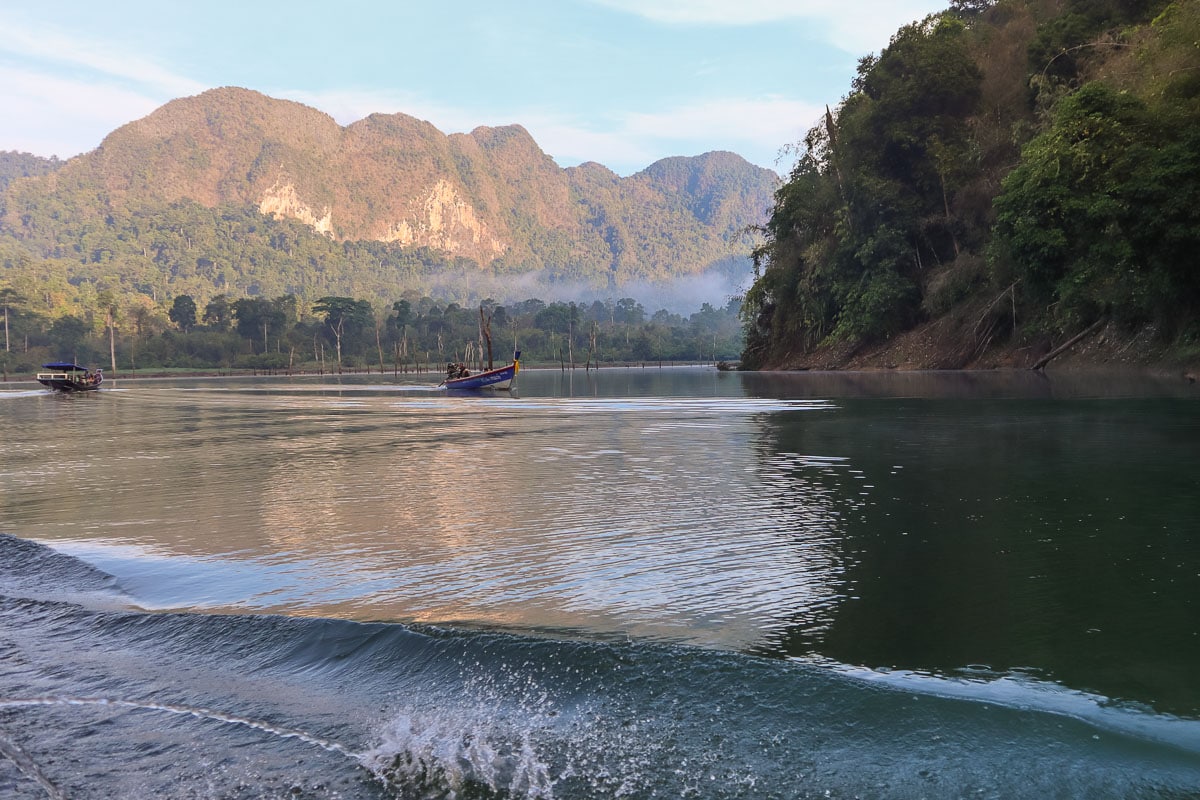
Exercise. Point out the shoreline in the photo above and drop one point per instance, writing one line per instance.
(1159, 371)
(161, 374)
(950, 345)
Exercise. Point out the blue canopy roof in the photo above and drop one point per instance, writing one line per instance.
(65, 366)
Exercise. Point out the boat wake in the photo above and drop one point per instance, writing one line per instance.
(14, 753)
(27, 765)
(430, 754)
(188, 711)
(98, 701)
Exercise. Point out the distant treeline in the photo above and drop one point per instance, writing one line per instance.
(337, 333)
(1024, 169)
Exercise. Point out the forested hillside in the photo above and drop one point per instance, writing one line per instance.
(233, 230)
(1002, 177)
(233, 192)
(23, 165)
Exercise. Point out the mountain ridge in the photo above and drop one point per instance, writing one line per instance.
(490, 201)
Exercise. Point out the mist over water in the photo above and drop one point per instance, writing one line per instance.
(636, 583)
(683, 295)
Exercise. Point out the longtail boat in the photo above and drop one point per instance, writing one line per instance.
(65, 376)
(460, 378)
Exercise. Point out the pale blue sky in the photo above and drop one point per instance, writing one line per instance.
(621, 82)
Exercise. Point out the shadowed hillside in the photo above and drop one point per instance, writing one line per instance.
(1008, 182)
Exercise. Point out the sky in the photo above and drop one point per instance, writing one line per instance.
(621, 82)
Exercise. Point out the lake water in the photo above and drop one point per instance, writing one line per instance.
(642, 583)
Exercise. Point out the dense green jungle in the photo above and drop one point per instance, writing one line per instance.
(1007, 182)
(344, 333)
(158, 250)
(1005, 179)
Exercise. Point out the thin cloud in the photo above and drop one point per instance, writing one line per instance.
(105, 62)
(571, 142)
(62, 116)
(756, 129)
(759, 123)
(74, 115)
(855, 26)
(719, 12)
(73, 91)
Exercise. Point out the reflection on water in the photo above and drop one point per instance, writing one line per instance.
(930, 522)
(639, 516)
(1047, 537)
(974, 385)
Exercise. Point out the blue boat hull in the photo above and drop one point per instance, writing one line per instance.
(501, 378)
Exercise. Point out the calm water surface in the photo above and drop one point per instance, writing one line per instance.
(642, 583)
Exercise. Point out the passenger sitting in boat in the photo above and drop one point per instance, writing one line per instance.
(458, 370)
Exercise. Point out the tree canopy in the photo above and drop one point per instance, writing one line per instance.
(339, 332)
(1025, 146)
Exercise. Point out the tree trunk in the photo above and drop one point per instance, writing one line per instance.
(112, 346)
(337, 337)
(949, 219)
(1056, 352)
(379, 347)
(485, 330)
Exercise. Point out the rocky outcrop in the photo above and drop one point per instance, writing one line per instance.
(282, 200)
(444, 221)
(492, 196)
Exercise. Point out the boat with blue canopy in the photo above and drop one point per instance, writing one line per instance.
(65, 376)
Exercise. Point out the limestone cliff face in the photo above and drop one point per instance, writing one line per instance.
(282, 201)
(491, 196)
(444, 221)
